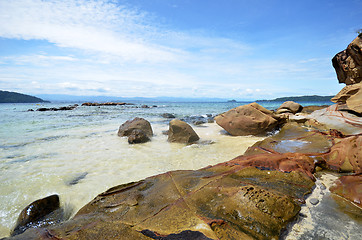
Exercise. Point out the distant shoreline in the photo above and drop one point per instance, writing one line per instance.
(312, 98)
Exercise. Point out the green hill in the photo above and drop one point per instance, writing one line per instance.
(13, 97)
(313, 98)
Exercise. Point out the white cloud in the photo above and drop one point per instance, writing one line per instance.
(83, 24)
(101, 47)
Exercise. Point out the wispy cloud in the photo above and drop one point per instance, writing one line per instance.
(83, 24)
(103, 47)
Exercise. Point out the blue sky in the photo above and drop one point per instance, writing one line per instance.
(237, 49)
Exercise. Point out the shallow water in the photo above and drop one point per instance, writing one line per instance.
(42, 153)
(77, 154)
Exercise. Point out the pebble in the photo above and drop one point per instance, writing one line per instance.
(314, 201)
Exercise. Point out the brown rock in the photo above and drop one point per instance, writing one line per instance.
(293, 138)
(350, 188)
(246, 120)
(180, 131)
(352, 96)
(34, 215)
(348, 63)
(138, 136)
(346, 155)
(252, 197)
(289, 106)
(137, 123)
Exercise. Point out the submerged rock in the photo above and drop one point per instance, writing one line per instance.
(76, 179)
(179, 131)
(168, 115)
(40, 213)
(251, 119)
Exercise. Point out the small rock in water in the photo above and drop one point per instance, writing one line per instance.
(168, 115)
(314, 201)
(77, 178)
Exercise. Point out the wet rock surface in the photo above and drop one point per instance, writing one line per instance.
(350, 188)
(40, 213)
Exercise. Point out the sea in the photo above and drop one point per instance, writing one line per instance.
(78, 155)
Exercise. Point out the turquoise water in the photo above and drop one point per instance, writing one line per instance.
(41, 153)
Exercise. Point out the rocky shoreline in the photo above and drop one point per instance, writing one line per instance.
(258, 195)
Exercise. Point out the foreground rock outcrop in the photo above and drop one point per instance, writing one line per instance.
(251, 197)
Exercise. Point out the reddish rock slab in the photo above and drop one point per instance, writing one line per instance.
(250, 197)
(346, 155)
(350, 188)
(294, 138)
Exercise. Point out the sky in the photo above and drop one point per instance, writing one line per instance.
(233, 49)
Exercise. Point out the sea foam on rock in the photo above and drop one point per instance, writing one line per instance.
(40, 213)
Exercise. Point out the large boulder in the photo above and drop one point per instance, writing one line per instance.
(352, 96)
(289, 107)
(179, 131)
(348, 63)
(251, 119)
(143, 127)
(39, 213)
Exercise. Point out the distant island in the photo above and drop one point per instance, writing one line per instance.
(313, 98)
(14, 97)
